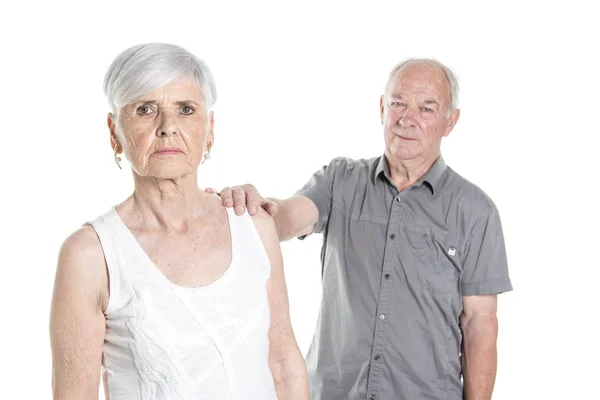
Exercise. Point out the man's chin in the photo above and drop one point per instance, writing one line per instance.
(404, 154)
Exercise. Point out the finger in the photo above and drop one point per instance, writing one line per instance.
(253, 199)
(239, 200)
(270, 207)
(227, 197)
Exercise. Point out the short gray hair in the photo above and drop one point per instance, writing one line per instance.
(450, 76)
(146, 67)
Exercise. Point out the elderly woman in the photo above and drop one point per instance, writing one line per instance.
(172, 294)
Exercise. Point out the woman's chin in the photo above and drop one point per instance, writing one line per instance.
(169, 172)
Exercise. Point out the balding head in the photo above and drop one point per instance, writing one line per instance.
(449, 77)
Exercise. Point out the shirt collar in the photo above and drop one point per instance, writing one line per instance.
(432, 177)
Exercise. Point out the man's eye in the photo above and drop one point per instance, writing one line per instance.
(144, 110)
(396, 104)
(187, 110)
(427, 109)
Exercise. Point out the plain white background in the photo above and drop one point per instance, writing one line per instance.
(298, 84)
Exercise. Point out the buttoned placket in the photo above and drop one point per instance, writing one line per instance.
(390, 257)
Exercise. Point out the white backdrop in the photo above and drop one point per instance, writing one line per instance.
(299, 84)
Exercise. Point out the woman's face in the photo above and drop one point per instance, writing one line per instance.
(165, 133)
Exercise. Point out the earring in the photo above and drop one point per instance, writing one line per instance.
(117, 160)
(207, 155)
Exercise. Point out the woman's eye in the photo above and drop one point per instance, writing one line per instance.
(187, 110)
(144, 110)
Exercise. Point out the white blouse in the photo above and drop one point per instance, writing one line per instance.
(165, 341)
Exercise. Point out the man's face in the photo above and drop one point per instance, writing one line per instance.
(414, 112)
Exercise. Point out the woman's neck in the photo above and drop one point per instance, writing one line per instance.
(167, 204)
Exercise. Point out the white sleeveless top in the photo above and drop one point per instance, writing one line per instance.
(165, 341)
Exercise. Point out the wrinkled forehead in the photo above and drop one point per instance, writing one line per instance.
(418, 80)
(187, 89)
(173, 94)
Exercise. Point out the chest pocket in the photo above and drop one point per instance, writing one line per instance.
(432, 258)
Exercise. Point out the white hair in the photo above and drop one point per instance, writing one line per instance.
(450, 77)
(146, 67)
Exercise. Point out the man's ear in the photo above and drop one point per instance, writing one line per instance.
(451, 122)
(381, 109)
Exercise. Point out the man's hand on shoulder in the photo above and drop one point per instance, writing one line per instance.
(293, 217)
(245, 197)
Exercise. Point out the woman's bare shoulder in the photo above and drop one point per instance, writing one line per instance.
(82, 243)
(81, 263)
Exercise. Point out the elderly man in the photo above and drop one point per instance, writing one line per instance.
(413, 257)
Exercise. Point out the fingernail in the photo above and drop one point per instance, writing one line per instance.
(252, 210)
(239, 210)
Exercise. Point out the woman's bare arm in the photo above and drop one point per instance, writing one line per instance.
(77, 323)
(285, 359)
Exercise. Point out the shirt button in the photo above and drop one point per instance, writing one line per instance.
(387, 276)
(382, 317)
(392, 236)
(377, 357)
(399, 198)
(372, 397)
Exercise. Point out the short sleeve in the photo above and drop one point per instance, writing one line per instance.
(485, 268)
(319, 189)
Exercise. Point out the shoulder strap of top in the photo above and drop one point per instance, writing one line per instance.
(106, 227)
(245, 238)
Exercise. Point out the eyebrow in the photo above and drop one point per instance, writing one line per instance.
(428, 101)
(179, 102)
(186, 102)
(145, 102)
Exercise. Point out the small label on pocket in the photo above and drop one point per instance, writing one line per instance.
(452, 251)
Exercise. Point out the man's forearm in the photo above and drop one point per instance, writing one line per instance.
(295, 217)
(281, 220)
(479, 358)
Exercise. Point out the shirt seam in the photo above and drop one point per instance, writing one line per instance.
(485, 215)
(486, 281)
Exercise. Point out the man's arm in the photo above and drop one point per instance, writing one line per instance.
(306, 212)
(479, 359)
(285, 360)
(485, 275)
(293, 217)
(77, 323)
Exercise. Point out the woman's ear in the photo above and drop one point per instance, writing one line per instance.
(211, 128)
(114, 141)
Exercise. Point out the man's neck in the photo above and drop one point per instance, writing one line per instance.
(405, 173)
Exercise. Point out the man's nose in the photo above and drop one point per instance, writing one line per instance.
(407, 119)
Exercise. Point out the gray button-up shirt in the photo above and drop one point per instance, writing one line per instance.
(395, 268)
